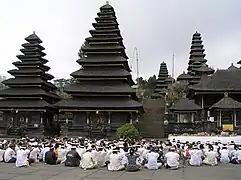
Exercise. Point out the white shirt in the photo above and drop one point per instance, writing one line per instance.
(46, 149)
(87, 161)
(172, 159)
(9, 154)
(211, 158)
(22, 157)
(152, 160)
(196, 157)
(1, 154)
(239, 154)
(34, 153)
(115, 162)
(224, 155)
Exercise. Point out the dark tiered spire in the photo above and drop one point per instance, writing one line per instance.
(197, 63)
(104, 79)
(161, 83)
(30, 87)
(196, 52)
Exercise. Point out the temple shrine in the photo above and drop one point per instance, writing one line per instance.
(27, 103)
(102, 99)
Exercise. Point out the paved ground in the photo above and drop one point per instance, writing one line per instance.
(59, 172)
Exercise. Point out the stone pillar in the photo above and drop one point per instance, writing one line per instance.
(131, 121)
(109, 117)
(234, 118)
(192, 117)
(87, 118)
(202, 101)
(220, 118)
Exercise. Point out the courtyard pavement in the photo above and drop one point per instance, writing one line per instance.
(60, 172)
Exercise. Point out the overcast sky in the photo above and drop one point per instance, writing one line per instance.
(156, 27)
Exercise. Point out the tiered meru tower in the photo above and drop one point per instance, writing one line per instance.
(163, 81)
(28, 102)
(102, 99)
(197, 63)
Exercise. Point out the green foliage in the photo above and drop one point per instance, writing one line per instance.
(128, 131)
(146, 87)
(175, 92)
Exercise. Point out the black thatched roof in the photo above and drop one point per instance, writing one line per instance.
(221, 80)
(30, 79)
(204, 68)
(26, 104)
(99, 88)
(185, 104)
(226, 103)
(184, 76)
(106, 72)
(233, 68)
(104, 78)
(108, 103)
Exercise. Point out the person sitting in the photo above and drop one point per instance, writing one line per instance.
(10, 155)
(22, 157)
(132, 163)
(239, 154)
(172, 159)
(115, 161)
(2, 151)
(196, 156)
(51, 158)
(151, 158)
(34, 153)
(224, 152)
(72, 158)
(211, 157)
(234, 155)
(88, 161)
(101, 157)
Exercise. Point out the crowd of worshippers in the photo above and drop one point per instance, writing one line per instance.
(116, 155)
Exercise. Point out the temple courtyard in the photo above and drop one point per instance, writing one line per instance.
(60, 172)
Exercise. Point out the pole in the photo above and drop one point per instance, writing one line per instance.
(173, 65)
(137, 70)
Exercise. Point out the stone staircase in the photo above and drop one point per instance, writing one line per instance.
(151, 122)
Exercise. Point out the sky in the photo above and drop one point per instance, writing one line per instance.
(157, 28)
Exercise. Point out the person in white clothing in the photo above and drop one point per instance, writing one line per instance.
(34, 153)
(224, 155)
(88, 161)
(211, 157)
(196, 156)
(45, 149)
(10, 154)
(2, 151)
(172, 159)
(239, 154)
(151, 158)
(22, 157)
(115, 161)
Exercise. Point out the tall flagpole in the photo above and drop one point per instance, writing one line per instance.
(173, 65)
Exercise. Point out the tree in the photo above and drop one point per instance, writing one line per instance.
(81, 54)
(128, 131)
(175, 92)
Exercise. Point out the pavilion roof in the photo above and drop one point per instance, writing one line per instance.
(226, 103)
(221, 80)
(185, 104)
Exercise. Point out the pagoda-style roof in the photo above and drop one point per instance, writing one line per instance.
(184, 77)
(186, 105)
(204, 69)
(221, 80)
(226, 103)
(169, 79)
(163, 79)
(233, 68)
(197, 61)
(104, 80)
(30, 82)
(101, 103)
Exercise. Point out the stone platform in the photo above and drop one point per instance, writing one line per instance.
(60, 172)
